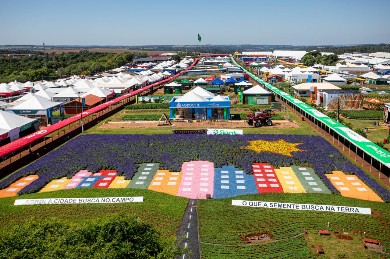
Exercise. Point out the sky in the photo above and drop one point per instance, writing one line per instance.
(178, 22)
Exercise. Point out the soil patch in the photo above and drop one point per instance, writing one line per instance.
(194, 124)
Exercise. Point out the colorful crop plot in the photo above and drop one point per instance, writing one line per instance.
(107, 176)
(77, 179)
(89, 182)
(119, 182)
(309, 180)
(197, 180)
(289, 180)
(265, 178)
(108, 173)
(351, 186)
(103, 182)
(144, 176)
(15, 187)
(166, 182)
(230, 181)
(55, 185)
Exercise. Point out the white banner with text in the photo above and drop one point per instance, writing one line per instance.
(224, 132)
(78, 200)
(297, 206)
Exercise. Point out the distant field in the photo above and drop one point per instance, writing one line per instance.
(222, 224)
(105, 50)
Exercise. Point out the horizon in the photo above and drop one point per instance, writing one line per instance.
(174, 22)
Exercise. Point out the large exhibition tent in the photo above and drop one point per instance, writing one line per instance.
(200, 104)
(38, 107)
(13, 126)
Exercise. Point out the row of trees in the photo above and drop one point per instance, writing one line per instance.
(114, 237)
(315, 57)
(53, 66)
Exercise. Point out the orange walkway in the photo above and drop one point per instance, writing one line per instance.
(351, 186)
(166, 182)
(15, 187)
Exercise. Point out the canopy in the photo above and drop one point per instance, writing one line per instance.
(231, 80)
(210, 78)
(9, 120)
(35, 103)
(256, 90)
(243, 83)
(173, 84)
(103, 93)
(335, 78)
(68, 92)
(200, 81)
(217, 81)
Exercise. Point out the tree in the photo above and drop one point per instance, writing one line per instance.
(309, 59)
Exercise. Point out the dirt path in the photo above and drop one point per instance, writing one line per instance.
(194, 125)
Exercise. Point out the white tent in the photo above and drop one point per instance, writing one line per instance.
(9, 120)
(45, 94)
(243, 83)
(200, 81)
(11, 124)
(202, 92)
(191, 97)
(370, 75)
(83, 83)
(68, 92)
(335, 79)
(38, 87)
(100, 92)
(173, 84)
(256, 90)
(35, 103)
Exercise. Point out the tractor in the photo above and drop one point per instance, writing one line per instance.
(258, 119)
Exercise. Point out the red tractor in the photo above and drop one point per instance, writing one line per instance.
(258, 119)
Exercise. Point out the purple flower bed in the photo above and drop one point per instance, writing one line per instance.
(124, 152)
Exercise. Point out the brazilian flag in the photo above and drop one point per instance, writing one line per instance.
(199, 38)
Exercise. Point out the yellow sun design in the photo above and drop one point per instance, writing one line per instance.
(280, 146)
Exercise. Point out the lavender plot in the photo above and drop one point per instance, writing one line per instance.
(125, 152)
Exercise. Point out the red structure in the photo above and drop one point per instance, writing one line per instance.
(265, 178)
(322, 232)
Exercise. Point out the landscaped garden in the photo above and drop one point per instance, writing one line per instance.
(125, 153)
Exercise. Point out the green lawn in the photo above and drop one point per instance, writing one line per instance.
(222, 224)
(375, 133)
(162, 211)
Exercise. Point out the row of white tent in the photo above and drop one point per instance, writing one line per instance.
(297, 74)
(116, 82)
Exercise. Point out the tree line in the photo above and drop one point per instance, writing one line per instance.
(51, 66)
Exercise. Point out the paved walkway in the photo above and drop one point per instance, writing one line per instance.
(188, 233)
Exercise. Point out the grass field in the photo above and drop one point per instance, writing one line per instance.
(162, 211)
(375, 133)
(221, 226)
